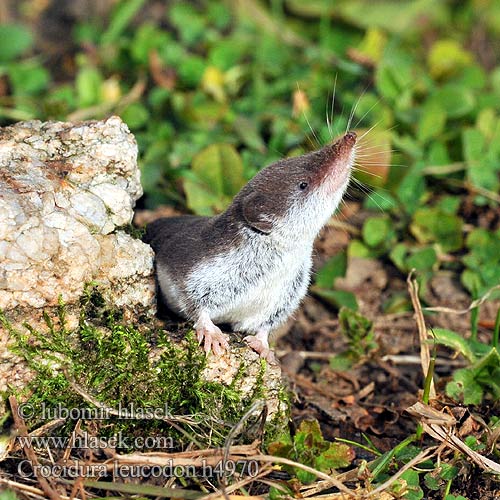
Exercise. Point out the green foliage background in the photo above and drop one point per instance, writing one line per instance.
(216, 90)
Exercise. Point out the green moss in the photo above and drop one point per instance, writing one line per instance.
(128, 366)
(276, 430)
(134, 231)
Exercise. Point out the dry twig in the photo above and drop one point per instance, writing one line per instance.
(45, 484)
(425, 356)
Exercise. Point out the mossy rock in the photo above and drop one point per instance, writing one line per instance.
(107, 361)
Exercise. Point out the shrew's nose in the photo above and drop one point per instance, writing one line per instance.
(350, 138)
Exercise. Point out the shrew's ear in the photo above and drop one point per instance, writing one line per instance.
(257, 211)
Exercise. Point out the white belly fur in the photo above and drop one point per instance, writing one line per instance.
(246, 288)
(258, 302)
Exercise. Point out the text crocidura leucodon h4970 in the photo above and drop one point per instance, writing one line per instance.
(250, 266)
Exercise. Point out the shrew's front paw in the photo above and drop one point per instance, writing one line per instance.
(261, 346)
(210, 335)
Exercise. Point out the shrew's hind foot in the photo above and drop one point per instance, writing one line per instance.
(260, 344)
(210, 335)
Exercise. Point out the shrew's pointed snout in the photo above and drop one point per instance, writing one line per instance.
(344, 145)
(350, 138)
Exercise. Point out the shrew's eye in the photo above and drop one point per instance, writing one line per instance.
(303, 185)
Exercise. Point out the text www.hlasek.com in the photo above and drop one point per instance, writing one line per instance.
(87, 441)
(169, 469)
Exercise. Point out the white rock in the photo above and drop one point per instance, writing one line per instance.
(115, 200)
(91, 211)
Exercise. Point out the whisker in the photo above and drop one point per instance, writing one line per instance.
(367, 141)
(382, 165)
(357, 169)
(364, 147)
(363, 186)
(328, 123)
(354, 110)
(373, 154)
(359, 191)
(318, 142)
(369, 130)
(368, 191)
(333, 103)
(361, 119)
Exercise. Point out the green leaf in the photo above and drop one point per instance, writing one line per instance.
(373, 44)
(358, 249)
(341, 362)
(8, 495)
(422, 260)
(432, 121)
(15, 40)
(481, 169)
(448, 472)
(272, 55)
(387, 14)
(472, 281)
(472, 77)
(227, 53)
(217, 177)
(281, 449)
(334, 268)
(454, 100)
(356, 328)
(191, 70)
(438, 154)
(120, 19)
(308, 436)
(411, 191)
(88, 86)
(376, 230)
(247, 131)
(409, 145)
(305, 477)
(147, 38)
(486, 121)
(412, 479)
(432, 482)
(388, 81)
(219, 14)
(188, 21)
(431, 225)
(338, 455)
(381, 201)
(135, 115)
(473, 443)
(446, 58)
(453, 340)
(398, 256)
(338, 298)
(28, 78)
(449, 204)
(482, 261)
(465, 387)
